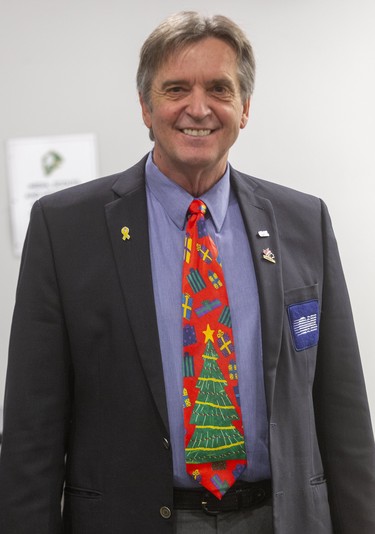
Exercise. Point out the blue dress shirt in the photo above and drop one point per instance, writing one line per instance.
(167, 207)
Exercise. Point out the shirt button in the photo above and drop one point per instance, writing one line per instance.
(166, 443)
(165, 512)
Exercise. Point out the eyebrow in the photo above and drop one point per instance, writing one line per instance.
(216, 81)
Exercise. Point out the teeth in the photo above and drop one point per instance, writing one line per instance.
(196, 133)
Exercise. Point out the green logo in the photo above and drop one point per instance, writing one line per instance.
(51, 161)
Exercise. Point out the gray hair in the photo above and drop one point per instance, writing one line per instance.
(184, 28)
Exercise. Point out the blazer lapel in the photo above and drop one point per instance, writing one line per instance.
(262, 232)
(132, 255)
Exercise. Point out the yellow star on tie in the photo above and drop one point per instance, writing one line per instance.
(209, 334)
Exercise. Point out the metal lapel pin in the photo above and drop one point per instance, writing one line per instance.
(268, 255)
(125, 233)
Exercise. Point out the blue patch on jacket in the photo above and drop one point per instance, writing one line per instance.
(304, 324)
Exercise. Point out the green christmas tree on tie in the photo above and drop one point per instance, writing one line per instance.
(215, 438)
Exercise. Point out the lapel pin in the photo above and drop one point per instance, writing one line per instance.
(263, 233)
(268, 255)
(125, 233)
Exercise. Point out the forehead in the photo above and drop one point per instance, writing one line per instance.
(206, 56)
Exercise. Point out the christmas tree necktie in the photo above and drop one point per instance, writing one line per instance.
(214, 439)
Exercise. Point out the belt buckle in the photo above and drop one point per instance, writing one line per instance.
(207, 503)
(207, 510)
(213, 506)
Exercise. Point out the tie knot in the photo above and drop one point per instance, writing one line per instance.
(197, 206)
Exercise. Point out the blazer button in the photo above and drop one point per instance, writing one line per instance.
(165, 512)
(166, 443)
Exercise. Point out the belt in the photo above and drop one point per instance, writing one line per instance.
(241, 495)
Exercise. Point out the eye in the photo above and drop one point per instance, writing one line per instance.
(221, 91)
(175, 90)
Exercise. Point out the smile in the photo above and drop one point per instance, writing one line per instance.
(196, 133)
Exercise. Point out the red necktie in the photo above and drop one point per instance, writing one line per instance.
(214, 441)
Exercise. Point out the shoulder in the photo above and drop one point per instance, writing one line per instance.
(284, 200)
(99, 191)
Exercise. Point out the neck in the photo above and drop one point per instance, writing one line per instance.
(196, 181)
(197, 184)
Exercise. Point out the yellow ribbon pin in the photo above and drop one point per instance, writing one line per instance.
(125, 233)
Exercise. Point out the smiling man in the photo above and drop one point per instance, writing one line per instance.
(196, 109)
(183, 357)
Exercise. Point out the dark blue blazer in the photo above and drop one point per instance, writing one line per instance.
(85, 406)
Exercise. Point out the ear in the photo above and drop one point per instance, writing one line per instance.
(245, 113)
(146, 112)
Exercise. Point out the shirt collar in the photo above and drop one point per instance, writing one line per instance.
(176, 201)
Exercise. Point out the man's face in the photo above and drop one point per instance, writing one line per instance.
(196, 110)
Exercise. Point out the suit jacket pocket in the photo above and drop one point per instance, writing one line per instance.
(82, 492)
(83, 512)
(300, 294)
(318, 486)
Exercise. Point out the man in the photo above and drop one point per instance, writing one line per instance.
(95, 388)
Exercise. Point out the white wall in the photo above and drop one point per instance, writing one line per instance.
(69, 67)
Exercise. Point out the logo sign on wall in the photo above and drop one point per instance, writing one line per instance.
(38, 166)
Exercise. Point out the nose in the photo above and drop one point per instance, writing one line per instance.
(198, 105)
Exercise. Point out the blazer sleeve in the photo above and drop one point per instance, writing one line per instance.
(37, 396)
(341, 408)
